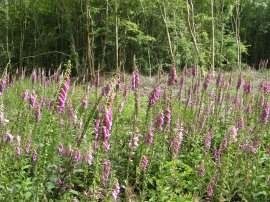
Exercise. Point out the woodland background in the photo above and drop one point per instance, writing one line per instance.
(108, 34)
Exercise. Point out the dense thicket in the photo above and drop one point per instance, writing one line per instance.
(107, 34)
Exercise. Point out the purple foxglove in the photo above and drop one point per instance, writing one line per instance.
(118, 85)
(219, 80)
(109, 89)
(50, 105)
(153, 97)
(59, 169)
(245, 148)
(167, 118)
(212, 94)
(63, 95)
(32, 99)
(106, 145)
(201, 170)
(135, 79)
(182, 81)
(247, 87)
(3, 121)
(59, 182)
(242, 122)
(105, 177)
(34, 157)
(239, 82)
(125, 92)
(68, 151)
(25, 95)
(207, 140)
(159, 122)
(60, 148)
(266, 87)
(18, 151)
(149, 139)
(9, 137)
(144, 163)
(203, 121)
(116, 191)
(207, 81)
(194, 71)
(211, 187)
(220, 96)
(28, 145)
(233, 132)
(261, 102)
(121, 106)
(133, 143)
(172, 76)
(223, 145)
(77, 156)
(178, 141)
(253, 150)
(97, 125)
(88, 157)
(266, 113)
(85, 103)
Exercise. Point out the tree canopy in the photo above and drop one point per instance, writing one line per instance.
(107, 34)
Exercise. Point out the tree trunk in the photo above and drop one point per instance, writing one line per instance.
(7, 33)
(164, 17)
(213, 37)
(89, 41)
(116, 37)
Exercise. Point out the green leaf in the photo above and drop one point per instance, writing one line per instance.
(27, 195)
(74, 192)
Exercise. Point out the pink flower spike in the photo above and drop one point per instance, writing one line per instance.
(105, 177)
(32, 99)
(153, 97)
(60, 148)
(34, 157)
(144, 163)
(28, 145)
(211, 187)
(9, 137)
(116, 190)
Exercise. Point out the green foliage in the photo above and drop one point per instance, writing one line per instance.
(44, 33)
(173, 182)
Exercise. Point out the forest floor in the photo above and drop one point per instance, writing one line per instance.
(149, 83)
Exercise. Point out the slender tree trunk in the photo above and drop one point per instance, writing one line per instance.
(89, 41)
(7, 33)
(222, 32)
(213, 37)
(116, 37)
(164, 17)
(104, 46)
(239, 59)
(236, 22)
(191, 26)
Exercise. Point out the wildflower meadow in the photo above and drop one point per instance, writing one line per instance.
(185, 138)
